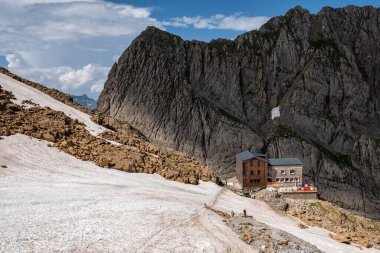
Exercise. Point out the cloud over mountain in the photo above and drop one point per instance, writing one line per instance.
(70, 44)
(236, 22)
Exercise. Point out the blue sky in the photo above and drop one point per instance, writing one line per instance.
(71, 44)
(167, 9)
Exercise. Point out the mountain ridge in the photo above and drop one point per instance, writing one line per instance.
(85, 101)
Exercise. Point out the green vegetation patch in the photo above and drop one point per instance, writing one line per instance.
(259, 38)
(222, 111)
(222, 46)
(316, 204)
(376, 227)
(270, 35)
(340, 159)
(284, 131)
(331, 48)
(230, 116)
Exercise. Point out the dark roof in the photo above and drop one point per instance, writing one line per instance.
(284, 161)
(258, 154)
(246, 155)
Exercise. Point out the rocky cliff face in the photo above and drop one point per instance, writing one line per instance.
(214, 99)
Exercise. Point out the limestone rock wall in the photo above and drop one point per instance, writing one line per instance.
(211, 100)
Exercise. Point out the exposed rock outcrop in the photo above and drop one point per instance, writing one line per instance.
(130, 152)
(345, 227)
(214, 99)
(263, 238)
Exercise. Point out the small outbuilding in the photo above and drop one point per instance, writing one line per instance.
(285, 171)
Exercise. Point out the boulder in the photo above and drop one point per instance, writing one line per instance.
(48, 137)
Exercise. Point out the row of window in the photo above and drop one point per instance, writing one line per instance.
(284, 180)
(251, 163)
(258, 172)
(291, 179)
(292, 172)
(251, 172)
(254, 181)
(257, 162)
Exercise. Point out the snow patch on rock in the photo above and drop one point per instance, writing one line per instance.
(275, 112)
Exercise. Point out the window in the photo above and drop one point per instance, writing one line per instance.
(286, 179)
(243, 168)
(258, 163)
(277, 180)
(251, 172)
(269, 179)
(251, 163)
(251, 181)
(282, 172)
(291, 179)
(257, 180)
(292, 172)
(258, 172)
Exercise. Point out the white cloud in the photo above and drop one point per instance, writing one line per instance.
(36, 25)
(68, 44)
(89, 79)
(234, 22)
(61, 21)
(77, 78)
(134, 12)
(31, 2)
(14, 61)
(115, 58)
(97, 87)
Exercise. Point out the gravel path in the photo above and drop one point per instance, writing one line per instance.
(263, 213)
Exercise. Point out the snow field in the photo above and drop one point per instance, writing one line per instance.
(52, 201)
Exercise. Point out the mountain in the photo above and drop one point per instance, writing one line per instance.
(320, 73)
(85, 101)
(52, 159)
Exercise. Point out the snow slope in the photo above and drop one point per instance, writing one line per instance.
(25, 92)
(51, 201)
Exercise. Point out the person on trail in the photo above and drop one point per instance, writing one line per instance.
(232, 213)
(245, 213)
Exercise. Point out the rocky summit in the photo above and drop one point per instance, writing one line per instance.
(319, 73)
(85, 101)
